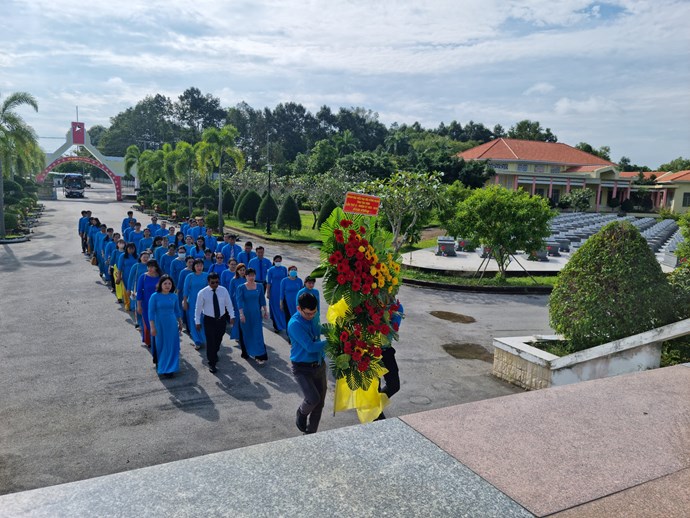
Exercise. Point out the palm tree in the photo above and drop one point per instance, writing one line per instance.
(185, 159)
(15, 135)
(345, 143)
(217, 143)
(131, 159)
(169, 157)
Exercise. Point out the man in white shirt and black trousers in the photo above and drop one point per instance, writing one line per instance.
(214, 302)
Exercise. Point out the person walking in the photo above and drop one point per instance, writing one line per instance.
(307, 353)
(193, 284)
(214, 303)
(124, 267)
(238, 280)
(274, 276)
(146, 286)
(261, 265)
(392, 377)
(251, 304)
(289, 287)
(165, 319)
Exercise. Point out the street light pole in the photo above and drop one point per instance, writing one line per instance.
(269, 167)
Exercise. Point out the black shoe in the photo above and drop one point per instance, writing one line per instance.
(381, 417)
(301, 421)
(245, 356)
(212, 369)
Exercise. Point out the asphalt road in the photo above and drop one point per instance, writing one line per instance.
(79, 396)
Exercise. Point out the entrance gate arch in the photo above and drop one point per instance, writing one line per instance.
(112, 166)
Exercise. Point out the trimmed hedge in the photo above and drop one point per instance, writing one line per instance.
(288, 217)
(611, 288)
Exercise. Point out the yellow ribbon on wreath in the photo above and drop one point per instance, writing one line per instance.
(368, 403)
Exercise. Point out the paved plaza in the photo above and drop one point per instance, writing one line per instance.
(81, 397)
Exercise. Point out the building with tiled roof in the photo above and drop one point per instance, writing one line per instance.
(552, 169)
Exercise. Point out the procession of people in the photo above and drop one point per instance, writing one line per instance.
(171, 280)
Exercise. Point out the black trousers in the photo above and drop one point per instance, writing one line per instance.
(312, 380)
(392, 377)
(214, 328)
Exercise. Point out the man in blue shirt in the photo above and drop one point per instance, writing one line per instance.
(230, 250)
(125, 222)
(83, 228)
(261, 265)
(211, 241)
(154, 227)
(247, 254)
(308, 364)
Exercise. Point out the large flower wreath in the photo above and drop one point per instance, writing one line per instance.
(361, 279)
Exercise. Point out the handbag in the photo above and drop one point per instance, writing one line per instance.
(94, 260)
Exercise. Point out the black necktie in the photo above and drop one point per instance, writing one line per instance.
(216, 305)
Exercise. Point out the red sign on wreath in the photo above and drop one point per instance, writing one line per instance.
(362, 204)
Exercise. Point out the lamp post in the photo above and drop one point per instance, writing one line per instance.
(269, 168)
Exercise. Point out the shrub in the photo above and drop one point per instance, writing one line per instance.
(326, 208)
(268, 210)
(206, 202)
(238, 202)
(205, 190)
(612, 287)
(627, 205)
(228, 202)
(197, 212)
(289, 217)
(249, 206)
(11, 221)
(182, 211)
(665, 213)
(212, 220)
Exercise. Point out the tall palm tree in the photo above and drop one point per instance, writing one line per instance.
(185, 159)
(220, 143)
(169, 157)
(131, 158)
(15, 134)
(345, 143)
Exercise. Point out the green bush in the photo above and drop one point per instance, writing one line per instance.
(228, 202)
(206, 202)
(182, 211)
(238, 202)
(212, 220)
(288, 217)
(327, 207)
(665, 213)
(205, 190)
(268, 210)
(612, 287)
(11, 221)
(197, 212)
(249, 207)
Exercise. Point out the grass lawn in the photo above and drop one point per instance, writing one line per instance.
(486, 281)
(305, 235)
(426, 243)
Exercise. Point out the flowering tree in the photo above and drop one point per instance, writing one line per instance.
(405, 197)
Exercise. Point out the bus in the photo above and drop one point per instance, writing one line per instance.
(73, 185)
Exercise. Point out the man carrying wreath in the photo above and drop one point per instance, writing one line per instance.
(308, 364)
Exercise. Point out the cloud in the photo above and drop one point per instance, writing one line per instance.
(539, 88)
(592, 105)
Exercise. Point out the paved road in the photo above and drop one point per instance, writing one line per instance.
(80, 397)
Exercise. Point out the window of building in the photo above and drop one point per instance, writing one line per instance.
(555, 169)
(539, 192)
(522, 168)
(686, 199)
(539, 168)
(556, 196)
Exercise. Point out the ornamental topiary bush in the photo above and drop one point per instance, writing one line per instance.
(326, 208)
(289, 218)
(268, 210)
(611, 288)
(249, 206)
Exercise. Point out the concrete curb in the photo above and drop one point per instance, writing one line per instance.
(510, 290)
(15, 240)
(241, 231)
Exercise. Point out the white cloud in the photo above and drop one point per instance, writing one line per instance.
(593, 105)
(539, 88)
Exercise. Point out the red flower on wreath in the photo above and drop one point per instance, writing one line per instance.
(362, 230)
(357, 355)
(395, 326)
(341, 279)
(371, 329)
(345, 223)
(385, 330)
(339, 235)
(344, 336)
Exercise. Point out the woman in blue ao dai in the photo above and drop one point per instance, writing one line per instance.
(251, 304)
(274, 276)
(193, 284)
(235, 283)
(146, 286)
(165, 318)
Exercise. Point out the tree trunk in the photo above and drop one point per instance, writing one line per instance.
(189, 194)
(220, 197)
(2, 203)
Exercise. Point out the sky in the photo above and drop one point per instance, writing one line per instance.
(607, 73)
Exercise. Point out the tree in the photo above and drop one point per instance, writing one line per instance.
(531, 130)
(228, 202)
(148, 124)
(577, 199)
(345, 143)
(612, 287)
(195, 111)
(625, 165)
(238, 202)
(96, 133)
(249, 206)
(449, 200)
(185, 160)
(15, 135)
(289, 217)
(326, 208)
(220, 143)
(603, 152)
(405, 194)
(132, 155)
(268, 210)
(679, 164)
(504, 221)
